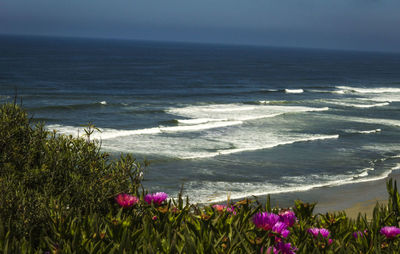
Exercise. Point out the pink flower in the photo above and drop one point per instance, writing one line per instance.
(288, 217)
(154, 218)
(126, 200)
(231, 210)
(285, 248)
(281, 228)
(221, 208)
(282, 248)
(265, 220)
(390, 232)
(156, 198)
(319, 231)
(358, 234)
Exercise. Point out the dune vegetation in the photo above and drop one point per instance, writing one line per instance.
(63, 194)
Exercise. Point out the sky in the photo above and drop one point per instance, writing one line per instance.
(336, 24)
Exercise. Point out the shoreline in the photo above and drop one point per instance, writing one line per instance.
(351, 198)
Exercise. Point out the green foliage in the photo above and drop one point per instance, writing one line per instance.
(304, 211)
(41, 170)
(58, 197)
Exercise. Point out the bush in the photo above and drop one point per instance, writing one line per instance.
(40, 169)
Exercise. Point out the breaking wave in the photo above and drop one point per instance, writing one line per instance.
(237, 112)
(361, 90)
(363, 132)
(254, 147)
(107, 133)
(294, 91)
(240, 190)
(345, 104)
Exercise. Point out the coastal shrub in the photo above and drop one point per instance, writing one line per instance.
(61, 194)
(42, 170)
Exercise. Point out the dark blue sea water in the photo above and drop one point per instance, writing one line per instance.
(222, 120)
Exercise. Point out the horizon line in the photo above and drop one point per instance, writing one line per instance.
(197, 42)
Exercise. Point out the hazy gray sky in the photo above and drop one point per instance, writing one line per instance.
(342, 24)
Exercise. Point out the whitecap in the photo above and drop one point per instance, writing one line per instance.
(363, 173)
(379, 121)
(107, 133)
(238, 112)
(362, 90)
(338, 92)
(254, 147)
(385, 98)
(363, 132)
(362, 105)
(199, 120)
(294, 90)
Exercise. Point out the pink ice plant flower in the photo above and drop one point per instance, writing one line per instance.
(319, 231)
(358, 234)
(390, 232)
(221, 208)
(288, 217)
(282, 248)
(156, 198)
(126, 200)
(285, 248)
(265, 220)
(281, 228)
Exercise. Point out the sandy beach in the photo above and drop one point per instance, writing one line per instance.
(351, 198)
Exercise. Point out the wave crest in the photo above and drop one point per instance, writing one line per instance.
(294, 91)
(362, 90)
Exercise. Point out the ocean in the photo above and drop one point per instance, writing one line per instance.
(221, 120)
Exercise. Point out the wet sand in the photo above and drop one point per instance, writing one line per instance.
(351, 198)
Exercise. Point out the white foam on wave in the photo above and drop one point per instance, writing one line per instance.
(338, 92)
(237, 112)
(363, 173)
(361, 90)
(379, 121)
(230, 109)
(364, 132)
(103, 102)
(276, 102)
(197, 127)
(370, 131)
(389, 122)
(205, 146)
(199, 120)
(254, 147)
(107, 133)
(237, 190)
(294, 91)
(360, 105)
(370, 105)
(384, 98)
